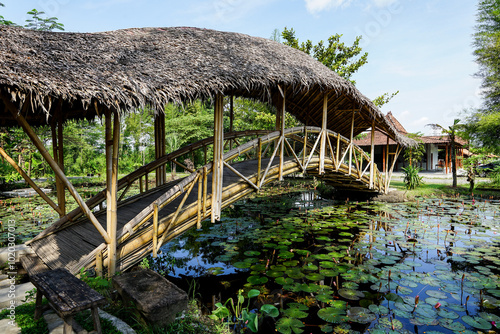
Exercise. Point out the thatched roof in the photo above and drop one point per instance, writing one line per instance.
(83, 73)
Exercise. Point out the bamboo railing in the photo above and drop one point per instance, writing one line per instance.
(146, 232)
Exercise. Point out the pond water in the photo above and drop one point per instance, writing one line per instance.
(430, 266)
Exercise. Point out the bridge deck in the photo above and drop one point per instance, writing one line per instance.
(68, 247)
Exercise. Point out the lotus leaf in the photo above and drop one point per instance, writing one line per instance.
(291, 263)
(350, 285)
(351, 294)
(258, 267)
(274, 273)
(242, 265)
(390, 323)
(424, 321)
(287, 325)
(452, 325)
(332, 315)
(329, 273)
(315, 277)
(327, 264)
(295, 273)
(283, 280)
(257, 280)
(436, 294)
(270, 310)
(278, 267)
(404, 307)
(310, 267)
(490, 317)
(476, 322)
(252, 253)
(379, 309)
(448, 314)
(361, 315)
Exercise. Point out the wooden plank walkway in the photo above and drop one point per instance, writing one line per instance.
(72, 245)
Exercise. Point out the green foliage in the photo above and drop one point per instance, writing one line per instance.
(241, 317)
(44, 24)
(336, 55)
(486, 120)
(99, 284)
(412, 180)
(413, 155)
(384, 98)
(24, 319)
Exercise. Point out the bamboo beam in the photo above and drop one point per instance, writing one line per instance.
(113, 205)
(304, 150)
(259, 160)
(351, 139)
(30, 181)
(205, 190)
(155, 231)
(231, 119)
(372, 154)
(324, 122)
(282, 130)
(217, 173)
(60, 161)
(231, 168)
(199, 203)
(54, 165)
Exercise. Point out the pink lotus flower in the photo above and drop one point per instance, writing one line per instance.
(438, 305)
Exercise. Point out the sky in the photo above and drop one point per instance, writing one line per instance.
(421, 48)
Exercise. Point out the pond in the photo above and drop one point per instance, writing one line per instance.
(429, 266)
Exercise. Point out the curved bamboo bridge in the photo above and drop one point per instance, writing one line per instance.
(148, 220)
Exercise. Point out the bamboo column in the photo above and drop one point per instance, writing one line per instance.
(323, 135)
(350, 143)
(159, 128)
(386, 165)
(217, 169)
(281, 119)
(54, 165)
(372, 154)
(446, 160)
(231, 119)
(113, 140)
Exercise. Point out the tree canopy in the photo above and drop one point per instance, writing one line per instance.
(485, 122)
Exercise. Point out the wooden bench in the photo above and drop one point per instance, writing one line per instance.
(66, 294)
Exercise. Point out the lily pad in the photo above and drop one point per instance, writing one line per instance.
(332, 315)
(361, 315)
(287, 325)
(476, 322)
(351, 294)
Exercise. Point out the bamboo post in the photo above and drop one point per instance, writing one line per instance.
(60, 161)
(109, 165)
(386, 165)
(59, 185)
(351, 139)
(338, 152)
(155, 231)
(282, 133)
(112, 204)
(231, 118)
(218, 158)
(200, 196)
(55, 167)
(259, 160)
(446, 160)
(146, 181)
(205, 190)
(140, 185)
(304, 155)
(30, 181)
(372, 154)
(323, 135)
(98, 264)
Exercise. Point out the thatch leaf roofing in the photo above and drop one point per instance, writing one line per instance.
(82, 73)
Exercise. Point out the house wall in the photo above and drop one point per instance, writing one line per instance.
(432, 156)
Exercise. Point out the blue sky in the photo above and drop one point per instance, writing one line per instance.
(420, 47)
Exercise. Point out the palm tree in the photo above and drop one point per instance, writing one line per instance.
(451, 132)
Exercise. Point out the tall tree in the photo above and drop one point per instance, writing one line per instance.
(345, 60)
(336, 55)
(486, 120)
(451, 133)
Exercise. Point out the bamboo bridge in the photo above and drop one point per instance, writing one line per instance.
(148, 220)
(47, 79)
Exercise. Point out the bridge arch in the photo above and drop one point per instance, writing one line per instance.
(48, 78)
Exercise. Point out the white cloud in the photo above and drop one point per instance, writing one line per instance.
(316, 6)
(384, 3)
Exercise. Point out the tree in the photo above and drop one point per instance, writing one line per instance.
(343, 59)
(337, 56)
(43, 24)
(486, 120)
(451, 132)
(412, 155)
